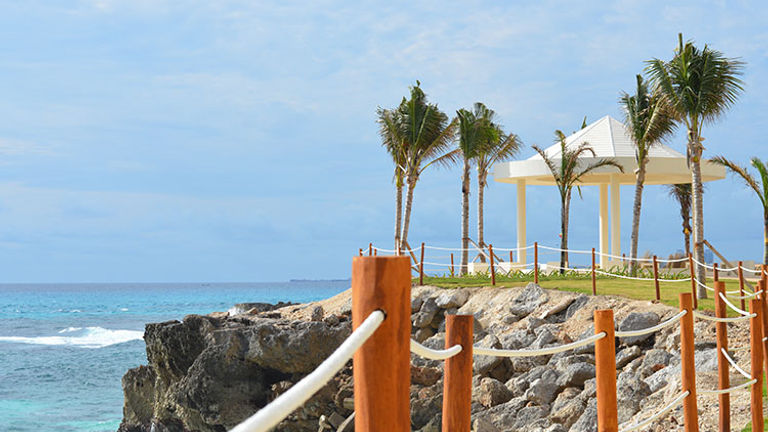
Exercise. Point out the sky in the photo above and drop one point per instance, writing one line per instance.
(159, 141)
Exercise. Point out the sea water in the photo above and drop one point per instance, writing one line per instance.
(65, 347)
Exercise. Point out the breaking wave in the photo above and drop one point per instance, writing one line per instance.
(87, 337)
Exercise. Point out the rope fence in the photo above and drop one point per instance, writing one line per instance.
(380, 347)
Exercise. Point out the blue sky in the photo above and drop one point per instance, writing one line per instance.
(236, 141)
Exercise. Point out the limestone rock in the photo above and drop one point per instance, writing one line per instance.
(638, 321)
(491, 392)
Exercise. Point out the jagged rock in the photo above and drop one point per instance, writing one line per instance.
(452, 299)
(518, 339)
(587, 422)
(254, 308)
(561, 361)
(630, 391)
(590, 388)
(626, 355)
(491, 392)
(484, 364)
(588, 348)
(653, 361)
(543, 389)
(423, 334)
(482, 425)
(568, 407)
(425, 403)
(661, 378)
(577, 304)
(706, 360)
(426, 376)
(638, 321)
(576, 374)
(529, 415)
(332, 320)
(544, 337)
(531, 298)
(317, 313)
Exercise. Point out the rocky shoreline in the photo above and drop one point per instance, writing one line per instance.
(207, 373)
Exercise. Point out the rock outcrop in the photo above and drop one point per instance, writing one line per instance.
(208, 373)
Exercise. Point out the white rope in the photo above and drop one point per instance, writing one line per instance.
(623, 277)
(675, 280)
(745, 296)
(538, 352)
(272, 414)
(434, 354)
(750, 270)
(566, 250)
(735, 366)
(450, 249)
(517, 249)
(706, 317)
(708, 267)
(660, 413)
(712, 289)
(381, 250)
(653, 329)
(729, 389)
(733, 306)
(676, 260)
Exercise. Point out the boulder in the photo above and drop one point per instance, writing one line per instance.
(452, 299)
(638, 321)
(568, 407)
(587, 422)
(577, 304)
(626, 355)
(576, 374)
(543, 390)
(317, 313)
(483, 425)
(491, 392)
(485, 364)
(630, 391)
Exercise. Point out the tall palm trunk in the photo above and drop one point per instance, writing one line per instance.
(765, 236)
(399, 214)
(564, 207)
(480, 237)
(698, 209)
(408, 206)
(465, 218)
(636, 217)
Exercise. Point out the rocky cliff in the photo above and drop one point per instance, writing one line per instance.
(207, 373)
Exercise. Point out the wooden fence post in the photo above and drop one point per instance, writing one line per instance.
(763, 314)
(457, 381)
(361, 251)
(723, 380)
(375, 252)
(370, 249)
(594, 280)
(656, 278)
(741, 286)
(381, 367)
(693, 281)
(605, 372)
(756, 369)
(493, 272)
(715, 273)
(511, 260)
(536, 263)
(452, 273)
(421, 266)
(690, 413)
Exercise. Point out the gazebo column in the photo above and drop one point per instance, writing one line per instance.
(521, 257)
(615, 217)
(604, 225)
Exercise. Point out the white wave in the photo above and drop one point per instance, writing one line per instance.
(88, 337)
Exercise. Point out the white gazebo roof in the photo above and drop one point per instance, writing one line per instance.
(609, 138)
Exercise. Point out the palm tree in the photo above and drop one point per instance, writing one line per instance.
(568, 172)
(698, 86)
(472, 128)
(395, 145)
(427, 136)
(497, 146)
(648, 123)
(682, 194)
(761, 188)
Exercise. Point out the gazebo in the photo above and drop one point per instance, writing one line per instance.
(609, 138)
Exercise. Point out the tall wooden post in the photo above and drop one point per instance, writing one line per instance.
(594, 279)
(536, 263)
(656, 277)
(723, 380)
(361, 251)
(370, 249)
(381, 367)
(764, 318)
(452, 273)
(375, 252)
(493, 271)
(605, 372)
(690, 413)
(421, 266)
(457, 383)
(693, 281)
(741, 286)
(715, 273)
(756, 366)
(511, 260)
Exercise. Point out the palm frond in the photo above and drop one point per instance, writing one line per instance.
(742, 173)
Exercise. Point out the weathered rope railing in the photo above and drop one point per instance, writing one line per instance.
(272, 414)
(538, 352)
(733, 306)
(675, 402)
(673, 320)
(434, 354)
(735, 366)
(742, 386)
(706, 317)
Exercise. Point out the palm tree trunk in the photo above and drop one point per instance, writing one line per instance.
(636, 217)
(698, 211)
(465, 218)
(765, 237)
(408, 206)
(564, 207)
(399, 214)
(480, 223)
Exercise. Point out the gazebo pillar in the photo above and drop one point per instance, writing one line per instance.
(603, 225)
(615, 217)
(521, 257)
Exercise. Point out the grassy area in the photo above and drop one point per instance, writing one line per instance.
(606, 285)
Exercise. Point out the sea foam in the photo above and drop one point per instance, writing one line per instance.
(88, 337)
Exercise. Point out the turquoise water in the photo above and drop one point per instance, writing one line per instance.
(64, 348)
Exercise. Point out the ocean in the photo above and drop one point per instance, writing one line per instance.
(65, 347)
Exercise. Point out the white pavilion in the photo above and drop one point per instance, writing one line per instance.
(609, 138)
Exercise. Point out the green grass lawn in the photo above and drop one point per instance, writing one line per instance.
(580, 283)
